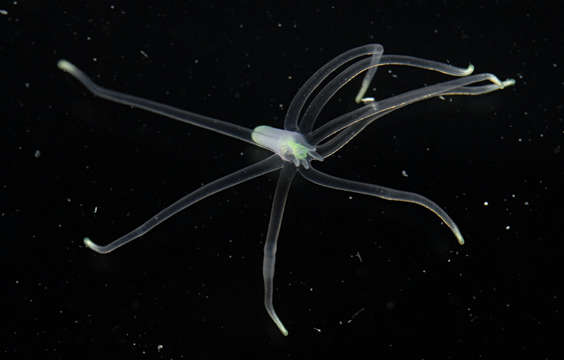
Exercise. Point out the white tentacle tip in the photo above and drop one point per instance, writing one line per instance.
(469, 70)
(91, 245)
(282, 329)
(508, 82)
(66, 66)
(458, 235)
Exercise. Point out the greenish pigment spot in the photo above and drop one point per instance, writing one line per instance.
(299, 151)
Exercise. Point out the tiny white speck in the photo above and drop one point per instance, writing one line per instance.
(404, 173)
(37, 154)
(486, 203)
(144, 54)
(3, 12)
(159, 347)
(95, 209)
(507, 227)
(350, 197)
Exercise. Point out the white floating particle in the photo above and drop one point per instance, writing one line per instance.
(37, 154)
(507, 227)
(3, 12)
(404, 173)
(486, 203)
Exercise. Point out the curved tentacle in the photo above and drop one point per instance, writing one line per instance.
(333, 145)
(320, 178)
(262, 167)
(299, 100)
(206, 122)
(370, 65)
(285, 179)
(398, 101)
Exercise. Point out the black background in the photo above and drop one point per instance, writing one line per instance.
(354, 274)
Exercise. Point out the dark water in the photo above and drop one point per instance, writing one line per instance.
(353, 272)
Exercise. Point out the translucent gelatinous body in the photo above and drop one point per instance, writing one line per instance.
(289, 145)
(299, 143)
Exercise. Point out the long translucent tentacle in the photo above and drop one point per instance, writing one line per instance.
(398, 101)
(299, 100)
(260, 168)
(374, 60)
(320, 178)
(276, 213)
(369, 66)
(333, 145)
(222, 127)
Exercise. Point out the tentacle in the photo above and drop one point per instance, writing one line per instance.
(399, 101)
(250, 172)
(220, 126)
(276, 214)
(299, 100)
(320, 178)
